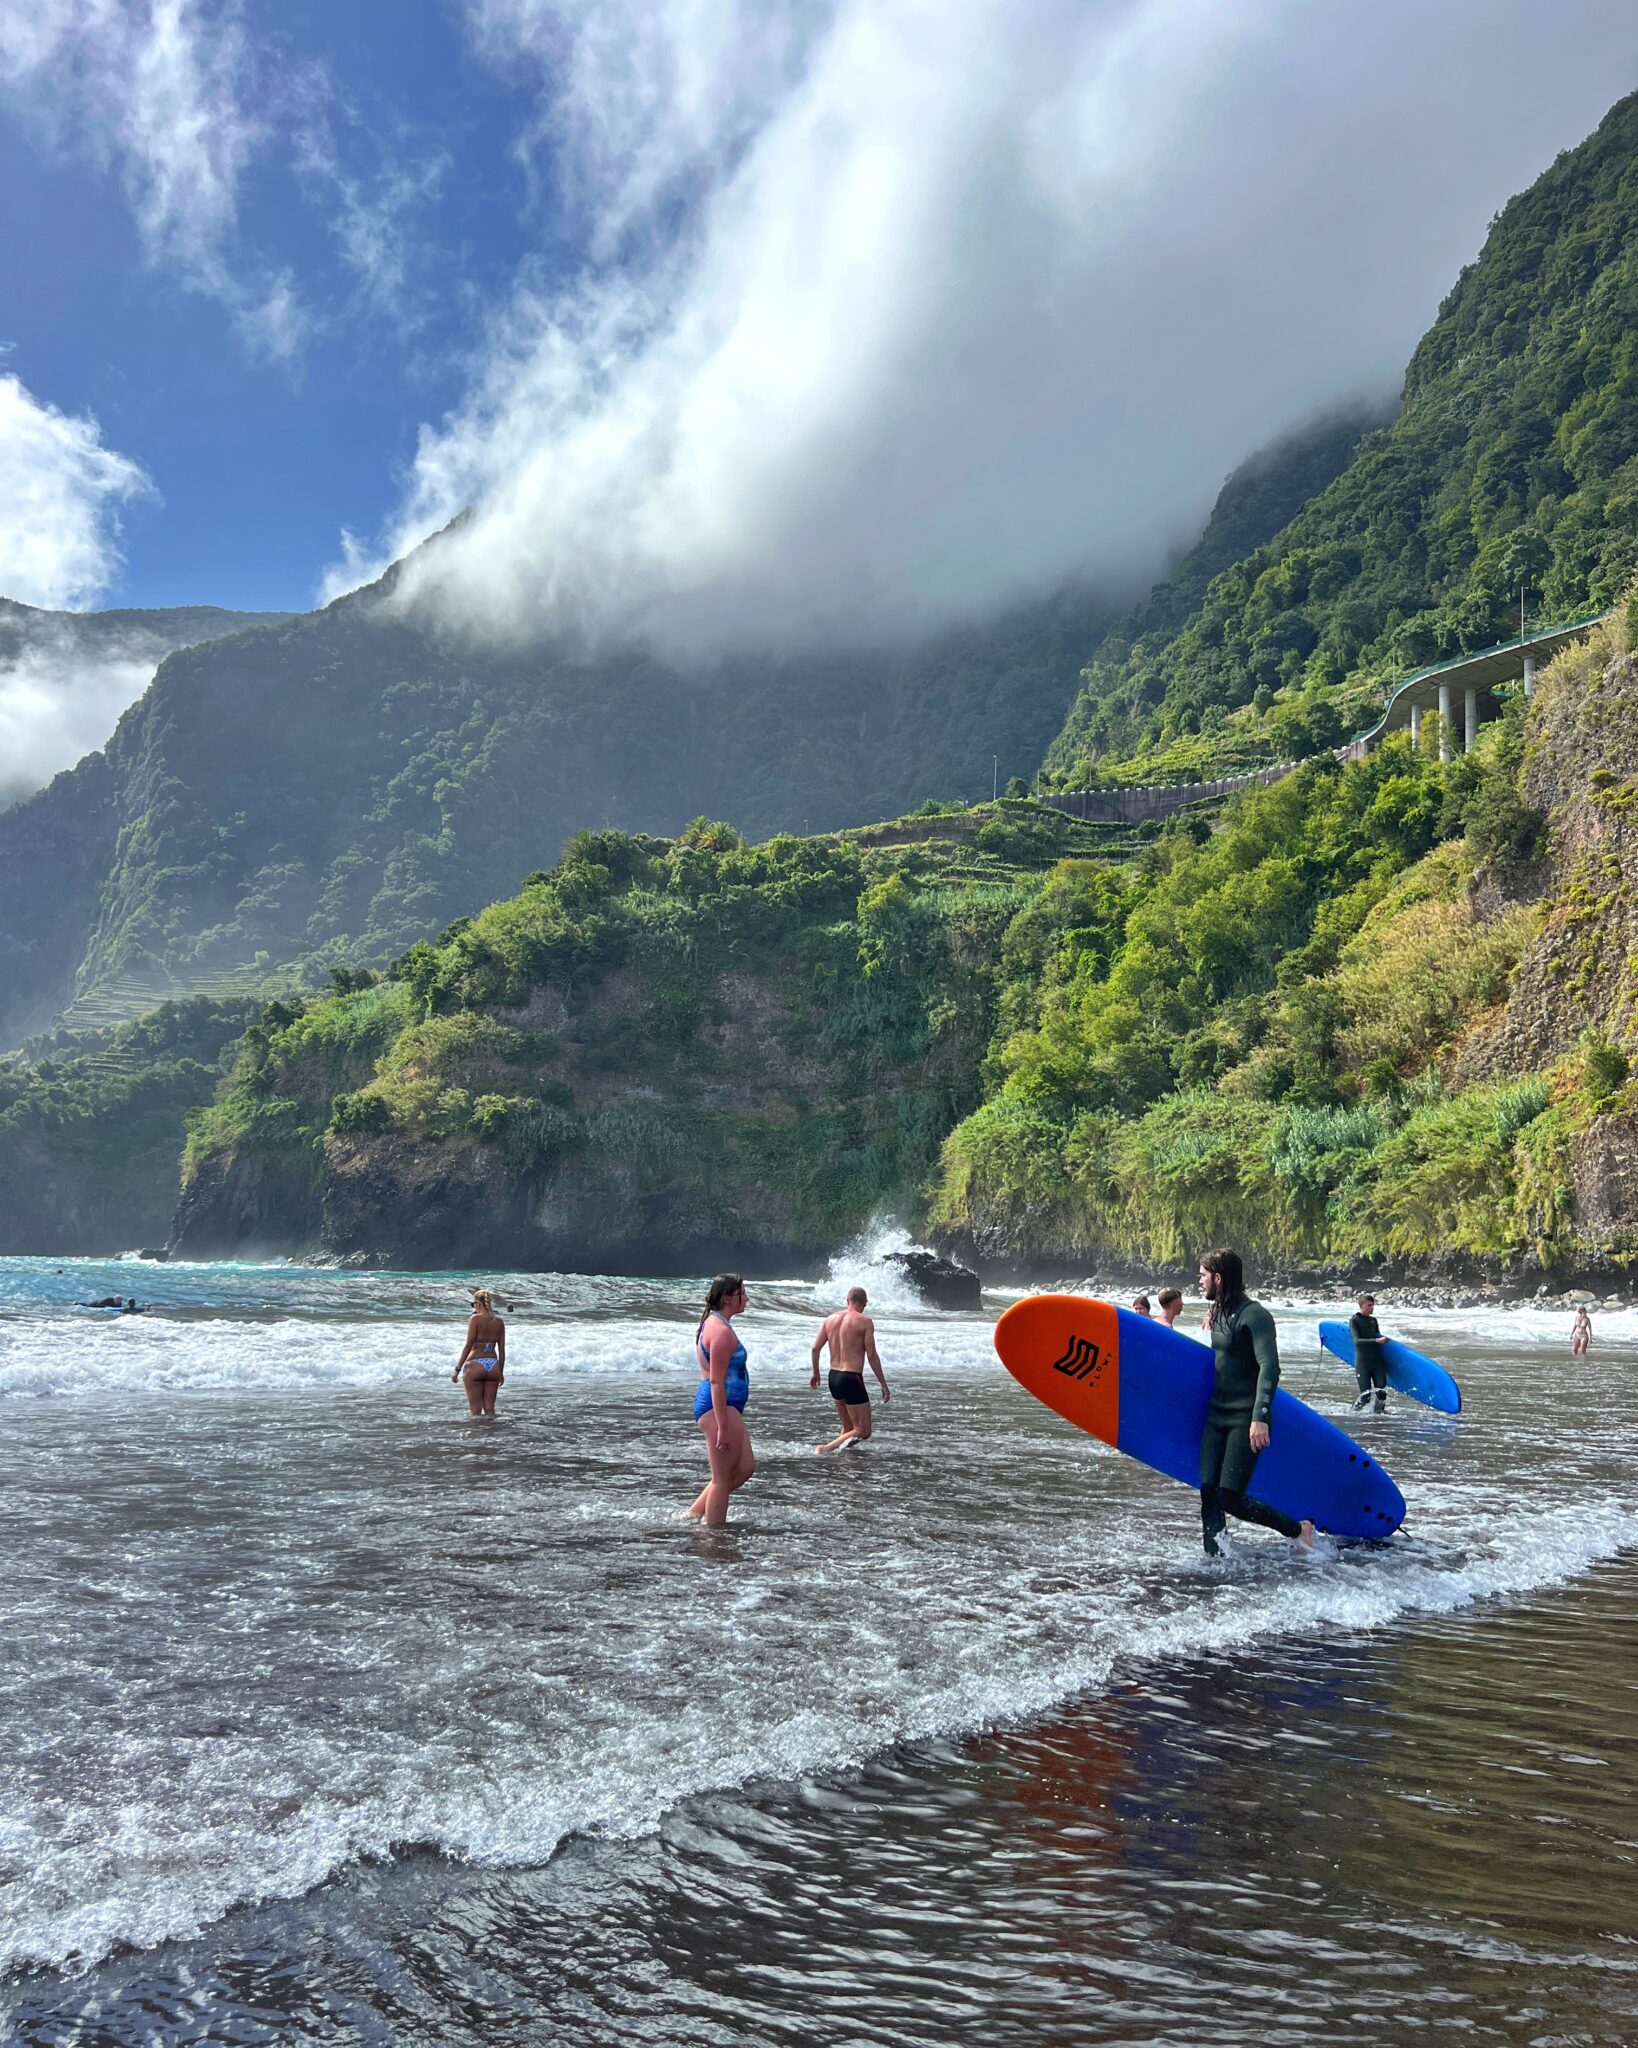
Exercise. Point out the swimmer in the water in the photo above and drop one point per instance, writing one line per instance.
(1140, 1305)
(720, 1397)
(851, 1337)
(483, 1356)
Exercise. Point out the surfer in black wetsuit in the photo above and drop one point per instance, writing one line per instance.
(1247, 1364)
(1369, 1368)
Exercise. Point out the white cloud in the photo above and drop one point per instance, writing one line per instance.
(60, 700)
(162, 90)
(895, 310)
(374, 224)
(60, 490)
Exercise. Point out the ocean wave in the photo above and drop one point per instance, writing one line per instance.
(159, 1871)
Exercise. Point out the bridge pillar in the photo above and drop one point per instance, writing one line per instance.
(1529, 675)
(1470, 719)
(1444, 721)
(1416, 727)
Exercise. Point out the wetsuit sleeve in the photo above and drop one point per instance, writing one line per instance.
(1259, 1327)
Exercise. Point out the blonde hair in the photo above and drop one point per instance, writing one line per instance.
(482, 1298)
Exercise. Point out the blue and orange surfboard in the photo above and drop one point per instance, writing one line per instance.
(1144, 1389)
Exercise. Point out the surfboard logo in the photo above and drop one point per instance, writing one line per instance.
(1081, 1361)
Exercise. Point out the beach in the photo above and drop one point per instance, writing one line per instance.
(333, 1716)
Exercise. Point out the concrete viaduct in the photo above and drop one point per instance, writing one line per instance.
(1469, 681)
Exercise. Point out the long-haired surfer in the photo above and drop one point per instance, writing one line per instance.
(483, 1356)
(1246, 1358)
(719, 1400)
(851, 1336)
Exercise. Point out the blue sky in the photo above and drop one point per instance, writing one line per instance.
(256, 461)
(738, 320)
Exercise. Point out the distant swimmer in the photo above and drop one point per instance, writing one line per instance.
(1370, 1368)
(719, 1400)
(132, 1307)
(1171, 1306)
(1246, 1365)
(851, 1337)
(1580, 1332)
(482, 1362)
(1140, 1304)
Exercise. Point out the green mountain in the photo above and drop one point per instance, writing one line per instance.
(337, 787)
(1380, 1013)
(1509, 477)
(1370, 1013)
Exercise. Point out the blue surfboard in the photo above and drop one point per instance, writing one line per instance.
(1409, 1373)
(1144, 1389)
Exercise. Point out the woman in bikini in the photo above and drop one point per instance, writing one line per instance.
(719, 1400)
(483, 1356)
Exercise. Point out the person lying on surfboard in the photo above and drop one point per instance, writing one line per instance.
(1246, 1361)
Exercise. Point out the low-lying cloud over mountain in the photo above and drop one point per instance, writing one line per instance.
(890, 311)
(65, 677)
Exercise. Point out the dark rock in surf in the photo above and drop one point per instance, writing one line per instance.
(938, 1280)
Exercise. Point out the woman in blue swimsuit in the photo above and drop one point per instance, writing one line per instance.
(483, 1356)
(719, 1400)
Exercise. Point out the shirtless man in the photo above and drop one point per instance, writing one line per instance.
(851, 1336)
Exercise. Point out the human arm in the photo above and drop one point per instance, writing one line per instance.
(875, 1362)
(500, 1346)
(1259, 1326)
(818, 1346)
(466, 1348)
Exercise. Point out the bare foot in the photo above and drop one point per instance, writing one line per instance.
(837, 1443)
(1305, 1536)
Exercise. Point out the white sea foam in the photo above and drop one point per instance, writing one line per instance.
(155, 1872)
(864, 1262)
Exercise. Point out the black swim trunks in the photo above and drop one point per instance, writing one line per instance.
(849, 1387)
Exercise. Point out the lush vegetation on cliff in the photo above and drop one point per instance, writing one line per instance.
(331, 790)
(1268, 1034)
(1511, 470)
(90, 1124)
(664, 1043)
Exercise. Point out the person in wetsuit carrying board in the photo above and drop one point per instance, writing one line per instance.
(1246, 1359)
(1369, 1367)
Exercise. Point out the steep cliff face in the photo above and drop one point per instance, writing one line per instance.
(1580, 974)
(652, 1167)
(1512, 462)
(239, 1205)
